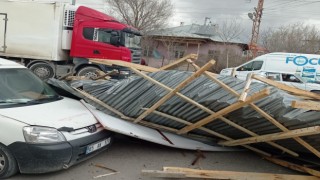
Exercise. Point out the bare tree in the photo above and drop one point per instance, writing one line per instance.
(298, 38)
(144, 15)
(228, 31)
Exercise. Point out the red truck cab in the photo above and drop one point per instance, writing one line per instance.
(97, 35)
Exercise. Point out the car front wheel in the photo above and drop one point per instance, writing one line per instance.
(8, 164)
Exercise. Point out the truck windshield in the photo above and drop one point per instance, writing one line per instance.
(132, 40)
(21, 87)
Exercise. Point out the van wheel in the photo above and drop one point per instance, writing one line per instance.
(8, 164)
(89, 72)
(42, 70)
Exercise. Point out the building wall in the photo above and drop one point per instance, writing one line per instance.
(166, 53)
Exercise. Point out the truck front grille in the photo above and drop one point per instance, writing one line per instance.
(136, 56)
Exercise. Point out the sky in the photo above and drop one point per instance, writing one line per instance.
(276, 13)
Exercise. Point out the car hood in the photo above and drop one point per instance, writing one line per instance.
(226, 71)
(312, 86)
(57, 114)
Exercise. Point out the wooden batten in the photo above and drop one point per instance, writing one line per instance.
(225, 111)
(274, 137)
(246, 89)
(179, 62)
(124, 64)
(309, 105)
(287, 88)
(180, 172)
(293, 166)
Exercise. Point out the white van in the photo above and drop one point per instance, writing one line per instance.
(41, 131)
(305, 65)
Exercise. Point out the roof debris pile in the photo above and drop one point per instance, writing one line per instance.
(259, 114)
(135, 95)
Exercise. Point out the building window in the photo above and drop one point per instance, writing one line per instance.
(147, 52)
(213, 54)
(178, 54)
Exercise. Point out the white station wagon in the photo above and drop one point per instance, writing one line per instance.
(41, 131)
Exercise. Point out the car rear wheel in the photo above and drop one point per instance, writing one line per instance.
(8, 164)
(89, 72)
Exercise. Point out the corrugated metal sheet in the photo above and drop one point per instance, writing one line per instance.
(131, 95)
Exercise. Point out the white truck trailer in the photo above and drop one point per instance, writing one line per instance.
(54, 37)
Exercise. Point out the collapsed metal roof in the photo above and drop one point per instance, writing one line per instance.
(131, 97)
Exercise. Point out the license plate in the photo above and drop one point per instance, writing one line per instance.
(98, 145)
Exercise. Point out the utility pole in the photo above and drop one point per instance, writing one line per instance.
(256, 18)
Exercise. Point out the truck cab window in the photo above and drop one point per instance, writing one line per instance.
(88, 33)
(252, 66)
(103, 36)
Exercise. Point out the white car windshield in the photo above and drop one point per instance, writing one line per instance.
(20, 86)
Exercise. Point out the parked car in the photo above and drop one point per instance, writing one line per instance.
(41, 131)
(293, 80)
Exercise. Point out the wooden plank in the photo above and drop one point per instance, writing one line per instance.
(177, 172)
(246, 89)
(92, 98)
(287, 88)
(173, 92)
(309, 105)
(274, 137)
(196, 67)
(225, 111)
(124, 64)
(148, 124)
(294, 166)
(178, 62)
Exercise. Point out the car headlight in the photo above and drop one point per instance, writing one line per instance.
(36, 134)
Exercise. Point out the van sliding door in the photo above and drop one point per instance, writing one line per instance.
(3, 27)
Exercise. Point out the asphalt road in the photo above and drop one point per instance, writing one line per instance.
(129, 156)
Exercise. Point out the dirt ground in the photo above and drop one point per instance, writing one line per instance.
(129, 156)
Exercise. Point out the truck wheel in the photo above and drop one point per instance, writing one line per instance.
(42, 70)
(89, 72)
(8, 164)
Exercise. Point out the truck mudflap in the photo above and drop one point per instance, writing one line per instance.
(44, 158)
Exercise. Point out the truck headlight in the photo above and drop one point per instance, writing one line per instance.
(36, 134)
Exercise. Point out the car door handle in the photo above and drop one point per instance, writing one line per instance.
(96, 52)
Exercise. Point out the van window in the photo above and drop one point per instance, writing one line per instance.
(252, 66)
